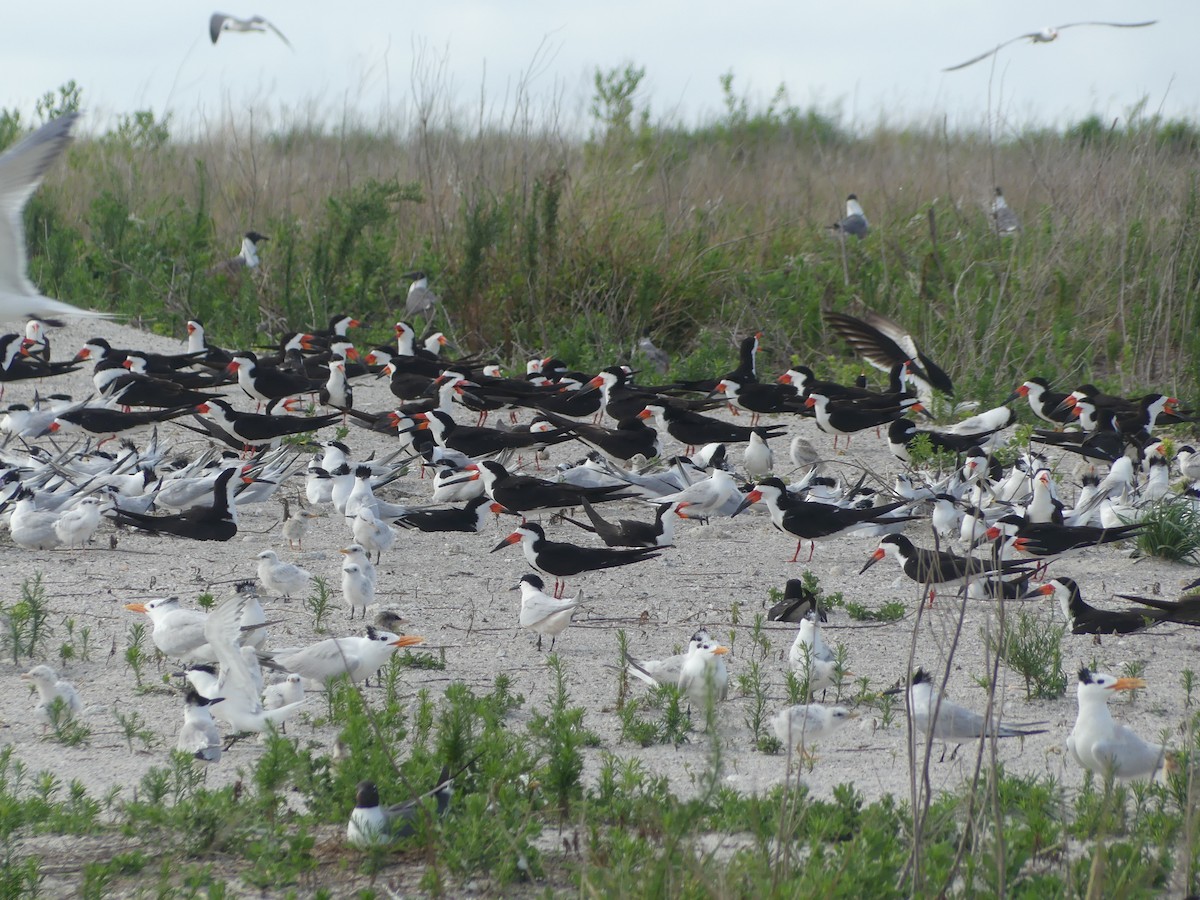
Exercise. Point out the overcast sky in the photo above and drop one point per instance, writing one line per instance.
(872, 59)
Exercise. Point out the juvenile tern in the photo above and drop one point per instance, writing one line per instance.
(358, 588)
(704, 673)
(50, 689)
(801, 725)
(281, 577)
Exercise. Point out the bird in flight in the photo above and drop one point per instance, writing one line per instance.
(222, 22)
(1045, 36)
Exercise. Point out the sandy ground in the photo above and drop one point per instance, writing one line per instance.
(457, 595)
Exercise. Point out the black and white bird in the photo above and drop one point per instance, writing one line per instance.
(421, 301)
(247, 257)
(371, 825)
(855, 222)
(199, 737)
(1004, 220)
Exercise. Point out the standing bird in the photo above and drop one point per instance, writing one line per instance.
(421, 300)
(1004, 220)
(222, 22)
(199, 737)
(51, 690)
(358, 588)
(562, 560)
(656, 356)
(704, 674)
(932, 714)
(542, 613)
(855, 223)
(1045, 36)
(1102, 746)
(281, 577)
(811, 658)
(295, 525)
(22, 168)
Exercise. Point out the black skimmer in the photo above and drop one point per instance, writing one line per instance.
(523, 493)
(845, 417)
(759, 398)
(1045, 36)
(563, 560)
(1045, 402)
(810, 521)
(469, 518)
(933, 569)
(630, 439)
(100, 350)
(694, 430)
(1051, 539)
(798, 601)
(478, 441)
(221, 22)
(264, 384)
(632, 532)
(855, 221)
(22, 168)
(106, 424)
(256, 429)
(217, 522)
(903, 433)
(884, 344)
(1087, 619)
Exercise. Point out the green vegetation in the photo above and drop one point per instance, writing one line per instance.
(1171, 530)
(556, 243)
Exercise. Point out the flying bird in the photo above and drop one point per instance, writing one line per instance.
(223, 22)
(22, 169)
(1045, 36)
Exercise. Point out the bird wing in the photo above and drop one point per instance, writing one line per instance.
(223, 628)
(1109, 24)
(22, 169)
(214, 25)
(322, 660)
(1127, 754)
(974, 59)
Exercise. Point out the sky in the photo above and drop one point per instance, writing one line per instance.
(870, 60)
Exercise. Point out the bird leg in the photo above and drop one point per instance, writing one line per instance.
(796, 555)
(539, 643)
(812, 548)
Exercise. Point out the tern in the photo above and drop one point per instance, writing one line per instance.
(797, 726)
(855, 223)
(222, 22)
(51, 690)
(1102, 746)
(371, 824)
(199, 737)
(947, 721)
(703, 673)
(22, 169)
(542, 613)
(358, 657)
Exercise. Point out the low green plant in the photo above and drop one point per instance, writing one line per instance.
(1033, 649)
(134, 726)
(1171, 530)
(135, 654)
(892, 611)
(27, 620)
(65, 728)
(319, 602)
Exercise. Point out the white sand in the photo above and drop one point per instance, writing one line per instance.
(457, 595)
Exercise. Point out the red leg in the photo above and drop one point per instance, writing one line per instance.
(796, 555)
(812, 548)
